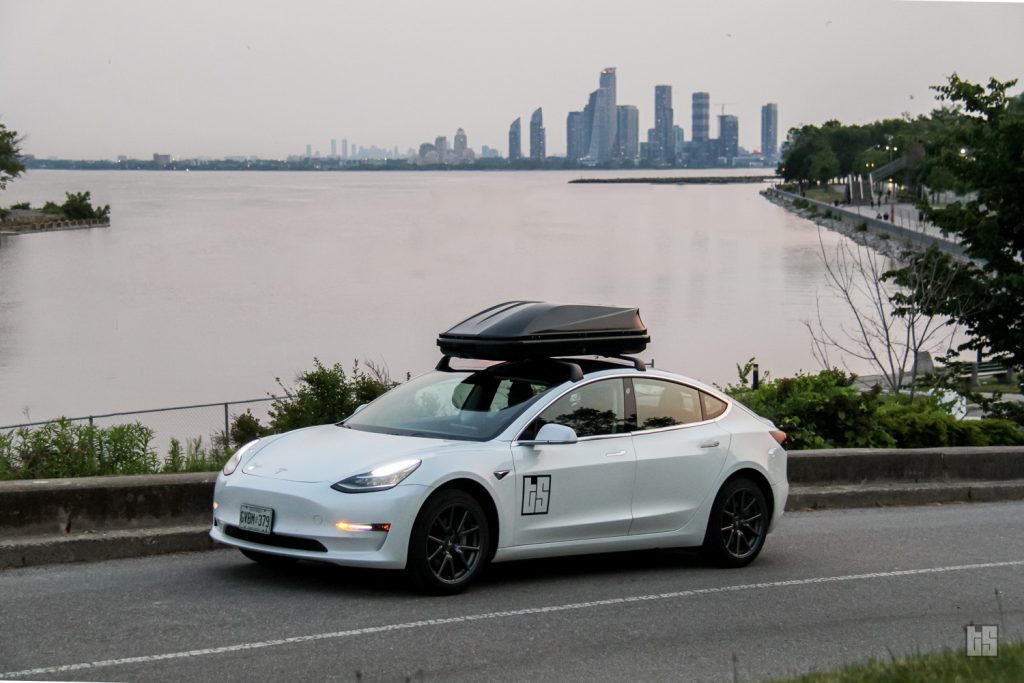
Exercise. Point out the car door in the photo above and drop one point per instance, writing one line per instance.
(582, 490)
(680, 451)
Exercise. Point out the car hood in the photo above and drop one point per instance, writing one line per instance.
(330, 453)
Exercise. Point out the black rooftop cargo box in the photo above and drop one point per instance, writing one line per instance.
(518, 330)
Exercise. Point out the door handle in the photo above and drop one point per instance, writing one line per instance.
(712, 443)
(615, 454)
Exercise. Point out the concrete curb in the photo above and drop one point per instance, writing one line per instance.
(100, 518)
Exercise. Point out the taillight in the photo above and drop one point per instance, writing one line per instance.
(780, 437)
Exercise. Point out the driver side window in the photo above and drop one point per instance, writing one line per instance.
(594, 409)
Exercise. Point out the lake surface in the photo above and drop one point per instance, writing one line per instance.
(209, 285)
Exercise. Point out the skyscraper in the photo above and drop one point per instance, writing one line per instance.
(460, 145)
(515, 147)
(701, 115)
(574, 149)
(770, 132)
(344, 148)
(680, 141)
(728, 136)
(588, 122)
(334, 148)
(537, 141)
(602, 133)
(665, 144)
(627, 146)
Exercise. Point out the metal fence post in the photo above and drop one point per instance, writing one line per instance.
(227, 437)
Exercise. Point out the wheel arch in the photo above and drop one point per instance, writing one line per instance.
(762, 483)
(482, 496)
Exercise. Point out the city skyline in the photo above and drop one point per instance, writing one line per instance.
(257, 79)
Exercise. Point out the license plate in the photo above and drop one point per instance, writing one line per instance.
(255, 518)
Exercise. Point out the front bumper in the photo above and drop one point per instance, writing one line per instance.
(306, 515)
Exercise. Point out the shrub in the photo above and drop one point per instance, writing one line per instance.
(323, 395)
(247, 427)
(817, 411)
(68, 449)
(175, 461)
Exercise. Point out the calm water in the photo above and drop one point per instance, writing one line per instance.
(207, 286)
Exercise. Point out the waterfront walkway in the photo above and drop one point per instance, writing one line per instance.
(903, 224)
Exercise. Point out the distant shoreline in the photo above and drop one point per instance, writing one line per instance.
(684, 180)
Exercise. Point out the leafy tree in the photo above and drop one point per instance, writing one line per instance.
(78, 205)
(10, 156)
(976, 147)
(808, 157)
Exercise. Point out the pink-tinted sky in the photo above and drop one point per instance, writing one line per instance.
(106, 77)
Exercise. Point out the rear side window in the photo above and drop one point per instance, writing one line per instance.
(665, 404)
(713, 407)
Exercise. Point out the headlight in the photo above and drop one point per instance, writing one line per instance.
(379, 479)
(232, 464)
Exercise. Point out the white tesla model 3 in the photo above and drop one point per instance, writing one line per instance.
(534, 457)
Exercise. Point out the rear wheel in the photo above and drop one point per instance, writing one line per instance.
(449, 543)
(738, 524)
(268, 560)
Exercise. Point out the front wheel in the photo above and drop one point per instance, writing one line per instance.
(449, 543)
(738, 524)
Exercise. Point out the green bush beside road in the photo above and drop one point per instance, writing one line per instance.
(827, 410)
(71, 449)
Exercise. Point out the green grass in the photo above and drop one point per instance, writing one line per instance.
(1001, 387)
(822, 194)
(953, 666)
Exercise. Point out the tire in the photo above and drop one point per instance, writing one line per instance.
(268, 560)
(738, 524)
(449, 543)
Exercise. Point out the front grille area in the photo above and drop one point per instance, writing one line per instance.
(277, 540)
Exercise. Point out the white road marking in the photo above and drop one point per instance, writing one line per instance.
(501, 615)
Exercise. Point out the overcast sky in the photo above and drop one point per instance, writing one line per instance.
(101, 78)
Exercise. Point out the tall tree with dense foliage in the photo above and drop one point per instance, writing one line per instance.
(979, 153)
(10, 156)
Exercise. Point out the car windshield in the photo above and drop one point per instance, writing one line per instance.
(465, 405)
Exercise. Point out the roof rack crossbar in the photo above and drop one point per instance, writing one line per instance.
(637, 363)
(444, 365)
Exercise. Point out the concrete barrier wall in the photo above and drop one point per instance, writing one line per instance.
(67, 506)
(855, 466)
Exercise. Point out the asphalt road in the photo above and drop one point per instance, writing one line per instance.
(830, 588)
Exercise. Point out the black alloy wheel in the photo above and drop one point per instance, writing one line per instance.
(449, 543)
(738, 524)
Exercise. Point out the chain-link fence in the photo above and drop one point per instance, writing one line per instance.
(210, 422)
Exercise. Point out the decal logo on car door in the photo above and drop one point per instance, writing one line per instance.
(536, 494)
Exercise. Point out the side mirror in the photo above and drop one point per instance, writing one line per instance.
(552, 434)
